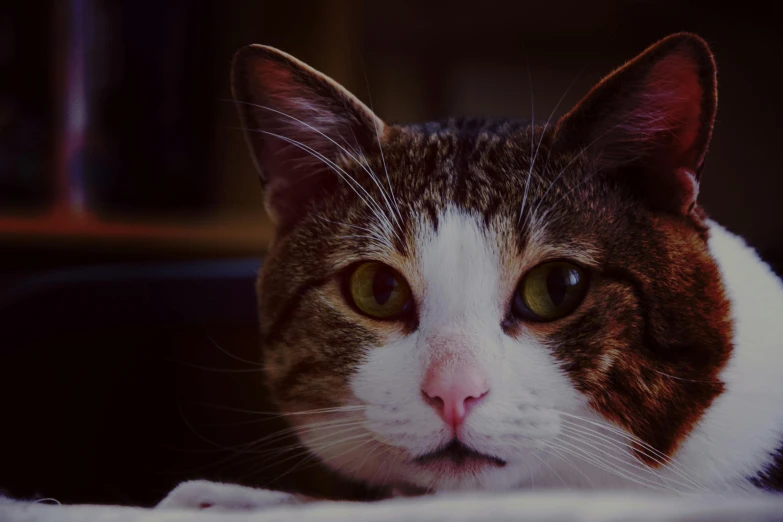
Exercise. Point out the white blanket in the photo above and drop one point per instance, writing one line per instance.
(229, 503)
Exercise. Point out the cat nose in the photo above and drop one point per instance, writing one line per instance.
(452, 392)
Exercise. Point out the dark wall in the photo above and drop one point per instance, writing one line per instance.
(431, 60)
(104, 378)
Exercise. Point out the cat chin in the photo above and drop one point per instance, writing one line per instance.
(490, 479)
(416, 480)
(387, 468)
(419, 482)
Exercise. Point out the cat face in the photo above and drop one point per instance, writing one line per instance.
(449, 305)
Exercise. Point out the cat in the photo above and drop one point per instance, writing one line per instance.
(492, 305)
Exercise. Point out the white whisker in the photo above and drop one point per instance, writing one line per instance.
(543, 133)
(276, 414)
(556, 453)
(602, 447)
(309, 451)
(373, 234)
(545, 463)
(380, 148)
(532, 141)
(585, 455)
(235, 357)
(644, 448)
(375, 209)
(372, 175)
(683, 378)
(571, 162)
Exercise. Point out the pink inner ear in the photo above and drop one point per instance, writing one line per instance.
(299, 124)
(293, 101)
(667, 109)
(275, 82)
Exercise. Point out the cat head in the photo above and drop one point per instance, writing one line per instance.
(446, 305)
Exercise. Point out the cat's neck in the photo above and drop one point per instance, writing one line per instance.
(740, 433)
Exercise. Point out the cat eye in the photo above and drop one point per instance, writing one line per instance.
(550, 291)
(379, 291)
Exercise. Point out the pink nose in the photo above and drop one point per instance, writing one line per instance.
(454, 391)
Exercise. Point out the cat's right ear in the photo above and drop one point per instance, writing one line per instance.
(301, 126)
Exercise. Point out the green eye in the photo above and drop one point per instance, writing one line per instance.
(379, 291)
(550, 291)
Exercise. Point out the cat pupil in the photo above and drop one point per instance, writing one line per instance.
(557, 283)
(383, 286)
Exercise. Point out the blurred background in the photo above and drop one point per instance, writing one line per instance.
(131, 219)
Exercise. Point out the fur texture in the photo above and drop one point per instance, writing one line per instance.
(663, 377)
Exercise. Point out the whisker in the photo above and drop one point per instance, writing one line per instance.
(380, 147)
(309, 451)
(298, 430)
(684, 379)
(352, 449)
(589, 176)
(646, 449)
(353, 184)
(375, 235)
(297, 466)
(597, 445)
(335, 409)
(532, 139)
(205, 439)
(668, 462)
(585, 455)
(345, 224)
(571, 162)
(299, 449)
(545, 463)
(546, 125)
(618, 431)
(218, 370)
(241, 454)
(556, 453)
(367, 454)
(574, 159)
(667, 482)
(368, 171)
(371, 239)
(331, 431)
(235, 357)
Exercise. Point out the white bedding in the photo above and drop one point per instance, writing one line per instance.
(239, 504)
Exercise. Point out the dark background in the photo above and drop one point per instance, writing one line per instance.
(131, 223)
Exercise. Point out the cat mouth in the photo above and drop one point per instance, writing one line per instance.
(458, 454)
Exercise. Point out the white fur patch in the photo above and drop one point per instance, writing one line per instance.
(461, 302)
(744, 425)
(532, 417)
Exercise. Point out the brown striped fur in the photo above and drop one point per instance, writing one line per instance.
(613, 187)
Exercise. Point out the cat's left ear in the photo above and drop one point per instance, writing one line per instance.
(302, 128)
(654, 113)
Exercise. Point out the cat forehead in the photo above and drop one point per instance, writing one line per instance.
(461, 260)
(485, 167)
(461, 257)
(499, 176)
(457, 144)
(465, 242)
(480, 166)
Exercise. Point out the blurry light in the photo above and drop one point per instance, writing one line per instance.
(76, 109)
